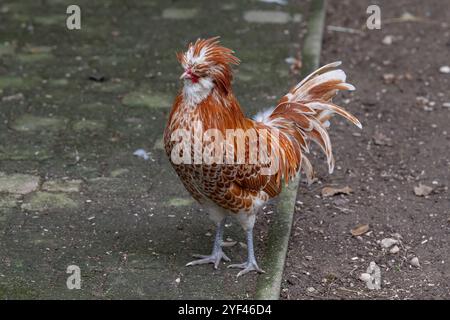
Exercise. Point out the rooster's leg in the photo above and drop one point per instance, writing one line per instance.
(251, 264)
(217, 255)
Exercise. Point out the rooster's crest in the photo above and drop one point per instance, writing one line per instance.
(207, 58)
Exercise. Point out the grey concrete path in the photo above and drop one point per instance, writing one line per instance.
(75, 105)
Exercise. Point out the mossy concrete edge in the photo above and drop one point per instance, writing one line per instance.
(269, 284)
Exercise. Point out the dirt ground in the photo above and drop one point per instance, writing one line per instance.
(405, 142)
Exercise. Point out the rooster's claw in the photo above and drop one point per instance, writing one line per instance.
(214, 258)
(246, 267)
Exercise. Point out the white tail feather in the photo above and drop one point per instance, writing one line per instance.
(306, 110)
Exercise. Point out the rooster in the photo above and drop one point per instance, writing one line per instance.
(206, 101)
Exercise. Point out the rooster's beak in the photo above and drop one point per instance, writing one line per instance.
(185, 75)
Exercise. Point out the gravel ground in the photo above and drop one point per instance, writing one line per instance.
(402, 99)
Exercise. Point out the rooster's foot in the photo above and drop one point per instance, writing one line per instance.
(214, 258)
(251, 264)
(217, 254)
(247, 267)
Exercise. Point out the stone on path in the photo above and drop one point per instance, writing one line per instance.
(415, 262)
(62, 185)
(23, 152)
(30, 123)
(8, 201)
(43, 201)
(18, 183)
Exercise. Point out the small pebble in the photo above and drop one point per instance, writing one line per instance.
(394, 249)
(388, 242)
(446, 104)
(415, 262)
(397, 235)
(372, 277)
(444, 69)
(388, 78)
(387, 40)
(365, 277)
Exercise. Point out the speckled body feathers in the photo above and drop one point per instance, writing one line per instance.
(301, 117)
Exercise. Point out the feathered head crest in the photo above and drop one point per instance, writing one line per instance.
(206, 57)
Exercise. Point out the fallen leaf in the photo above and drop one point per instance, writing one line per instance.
(422, 190)
(360, 230)
(330, 191)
